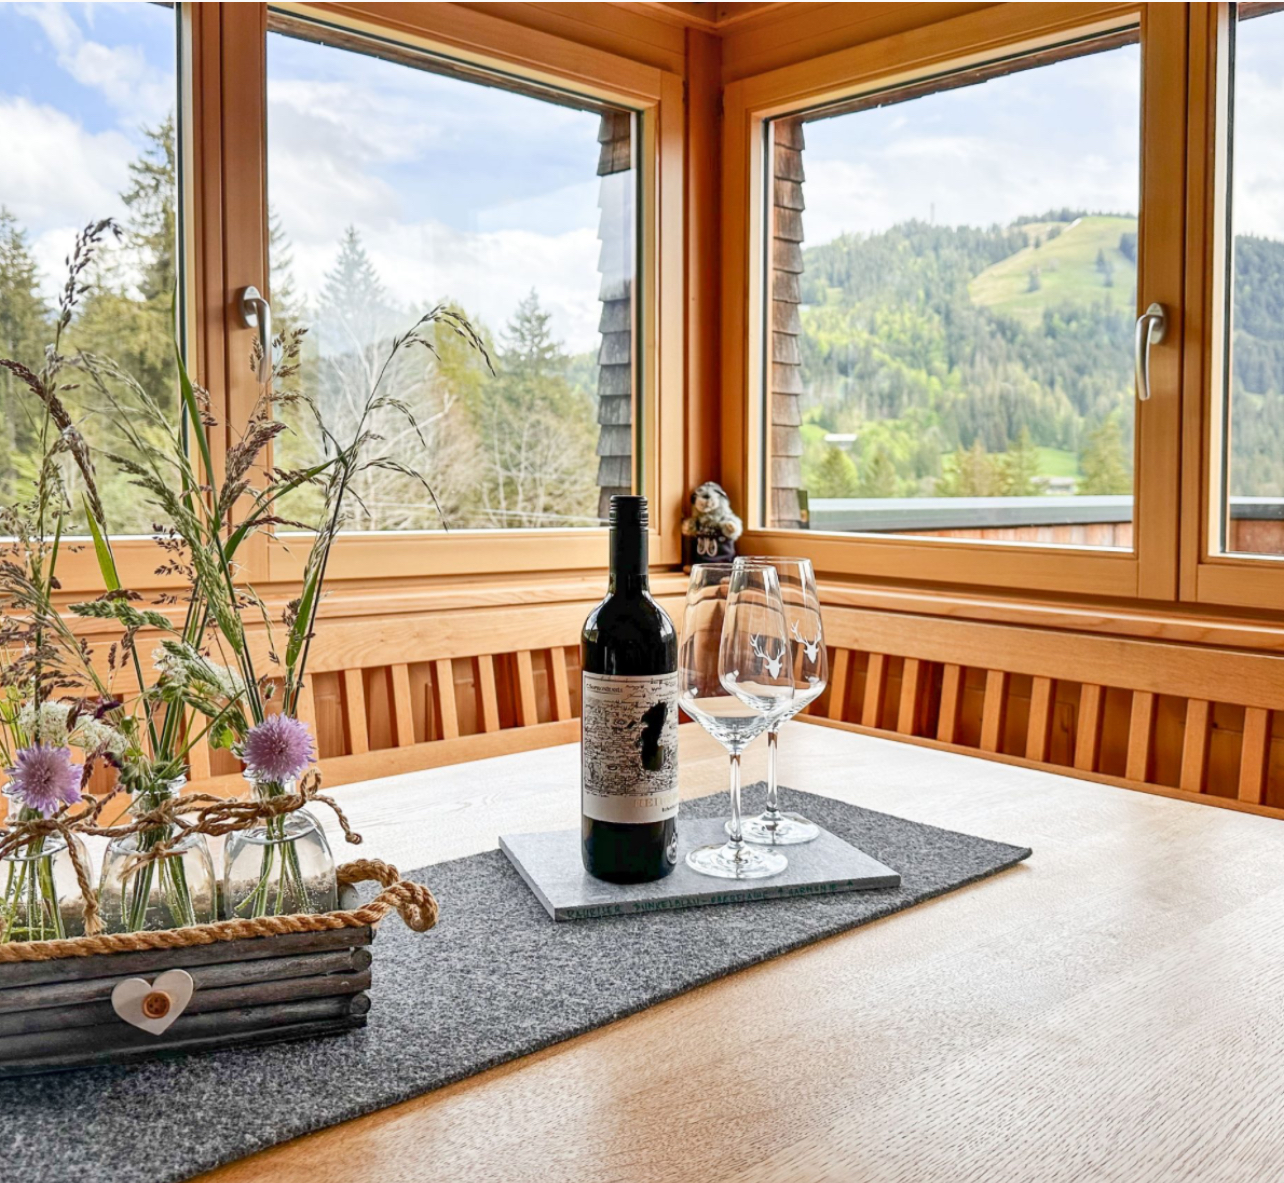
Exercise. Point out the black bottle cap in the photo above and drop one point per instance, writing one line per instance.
(628, 511)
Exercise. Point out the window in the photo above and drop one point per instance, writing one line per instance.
(952, 300)
(88, 107)
(1252, 497)
(398, 181)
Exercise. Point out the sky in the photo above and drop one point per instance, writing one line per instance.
(477, 194)
(1060, 135)
(459, 191)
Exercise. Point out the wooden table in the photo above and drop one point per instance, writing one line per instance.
(1110, 1010)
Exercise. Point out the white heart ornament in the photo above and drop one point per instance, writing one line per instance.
(153, 1006)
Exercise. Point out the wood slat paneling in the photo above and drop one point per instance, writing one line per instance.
(994, 710)
(1253, 757)
(951, 699)
(1039, 727)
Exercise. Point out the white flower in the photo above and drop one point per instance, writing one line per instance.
(93, 734)
(51, 728)
(87, 733)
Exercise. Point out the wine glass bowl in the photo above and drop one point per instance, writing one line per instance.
(705, 696)
(807, 670)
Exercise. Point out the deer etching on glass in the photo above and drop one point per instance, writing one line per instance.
(773, 664)
(812, 647)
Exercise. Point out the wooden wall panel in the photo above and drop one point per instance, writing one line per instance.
(1114, 727)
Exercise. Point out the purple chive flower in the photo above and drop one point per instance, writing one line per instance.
(278, 749)
(44, 778)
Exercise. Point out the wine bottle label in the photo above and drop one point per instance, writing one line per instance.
(630, 747)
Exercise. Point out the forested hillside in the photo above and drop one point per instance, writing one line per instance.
(988, 362)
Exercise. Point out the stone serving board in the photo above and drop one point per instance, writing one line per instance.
(550, 864)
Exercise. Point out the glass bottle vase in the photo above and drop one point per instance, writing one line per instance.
(280, 867)
(174, 890)
(40, 896)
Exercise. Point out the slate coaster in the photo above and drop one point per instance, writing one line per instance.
(550, 864)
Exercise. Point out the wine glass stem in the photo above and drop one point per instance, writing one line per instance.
(773, 795)
(734, 832)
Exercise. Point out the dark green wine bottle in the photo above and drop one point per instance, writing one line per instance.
(629, 720)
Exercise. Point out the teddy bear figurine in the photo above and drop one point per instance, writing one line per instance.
(712, 528)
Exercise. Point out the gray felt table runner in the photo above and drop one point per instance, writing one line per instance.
(496, 979)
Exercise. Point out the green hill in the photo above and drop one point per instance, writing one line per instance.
(1079, 262)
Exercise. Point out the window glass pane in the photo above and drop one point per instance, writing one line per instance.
(954, 285)
(87, 107)
(1254, 436)
(397, 185)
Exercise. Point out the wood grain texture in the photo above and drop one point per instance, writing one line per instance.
(875, 684)
(527, 707)
(561, 684)
(1043, 1024)
(994, 710)
(1194, 750)
(911, 685)
(838, 682)
(1087, 740)
(403, 704)
(1039, 725)
(1141, 730)
(355, 724)
(1253, 755)
(951, 695)
(448, 709)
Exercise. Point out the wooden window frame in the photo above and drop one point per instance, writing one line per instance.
(1210, 575)
(496, 44)
(1150, 571)
(223, 111)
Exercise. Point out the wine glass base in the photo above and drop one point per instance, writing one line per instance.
(734, 860)
(780, 829)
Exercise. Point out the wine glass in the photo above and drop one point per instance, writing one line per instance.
(730, 721)
(810, 671)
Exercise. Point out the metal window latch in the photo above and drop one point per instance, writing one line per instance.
(256, 313)
(1152, 327)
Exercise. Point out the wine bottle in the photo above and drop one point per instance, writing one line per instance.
(629, 717)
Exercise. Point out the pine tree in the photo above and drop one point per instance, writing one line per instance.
(835, 476)
(1105, 467)
(1020, 467)
(878, 476)
(24, 327)
(536, 433)
(971, 472)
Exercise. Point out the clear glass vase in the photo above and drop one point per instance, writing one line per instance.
(281, 867)
(175, 890)
(40, 896)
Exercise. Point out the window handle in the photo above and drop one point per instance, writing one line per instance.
(256, 312)
(1152, 326)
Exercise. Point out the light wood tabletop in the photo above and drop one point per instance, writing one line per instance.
(1109, 1010)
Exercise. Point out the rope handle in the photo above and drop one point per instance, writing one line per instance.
(415, 903)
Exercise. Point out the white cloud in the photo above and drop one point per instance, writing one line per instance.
(1259, 159)
(57, 176)
(120, 73)
(488, 273)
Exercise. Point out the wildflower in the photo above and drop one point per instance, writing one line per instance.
(278, 749)
(44, 778)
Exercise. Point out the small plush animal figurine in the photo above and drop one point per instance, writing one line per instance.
(712, 527)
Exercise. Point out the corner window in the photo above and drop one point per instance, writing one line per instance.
(953, 289)
(399, 180)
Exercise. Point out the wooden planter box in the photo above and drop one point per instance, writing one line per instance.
(58, 1014)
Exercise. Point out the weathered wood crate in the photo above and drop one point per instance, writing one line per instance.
(58, 1012)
